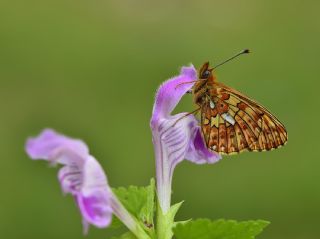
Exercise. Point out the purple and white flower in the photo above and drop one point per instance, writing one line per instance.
(82, 176)
(175, 140)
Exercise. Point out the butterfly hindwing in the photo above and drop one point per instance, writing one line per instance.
(231, 123)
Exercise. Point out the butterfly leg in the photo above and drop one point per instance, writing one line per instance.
(190, 113)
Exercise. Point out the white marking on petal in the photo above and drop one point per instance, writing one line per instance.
(227, 117)
(212, 105)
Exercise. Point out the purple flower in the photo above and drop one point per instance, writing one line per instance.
(82, 176)
(175, 140)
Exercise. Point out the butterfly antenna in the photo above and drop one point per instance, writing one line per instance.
(245, 51)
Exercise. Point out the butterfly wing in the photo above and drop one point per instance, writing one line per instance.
(232, 122)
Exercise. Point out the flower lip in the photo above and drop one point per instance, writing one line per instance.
(198, 151)
(49, 145)
(94, 199)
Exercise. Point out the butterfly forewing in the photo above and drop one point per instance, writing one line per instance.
(232, 122)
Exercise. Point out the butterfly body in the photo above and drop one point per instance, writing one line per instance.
(232, 122)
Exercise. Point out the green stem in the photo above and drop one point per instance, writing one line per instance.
(140, 233)
(165, 221)
(127, 219)
(164, 225)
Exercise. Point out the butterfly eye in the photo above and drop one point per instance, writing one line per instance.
(205, 74)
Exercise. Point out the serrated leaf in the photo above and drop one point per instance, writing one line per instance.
(127, 235)
(139, 201)
(219, 229)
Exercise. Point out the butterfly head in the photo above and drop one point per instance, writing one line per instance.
(206, 72)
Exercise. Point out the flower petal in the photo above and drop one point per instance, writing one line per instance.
(170, 93)
(198, 151)
(55, 147)
(94, 199)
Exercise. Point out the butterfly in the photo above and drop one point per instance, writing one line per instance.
(231, 122)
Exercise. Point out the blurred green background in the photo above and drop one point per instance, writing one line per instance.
(90, 69)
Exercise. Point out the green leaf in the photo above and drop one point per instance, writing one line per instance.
(127, 235)
(219, 229)
(116, 223)
(140, 202)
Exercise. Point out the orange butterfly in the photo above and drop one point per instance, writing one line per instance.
(232, 122)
